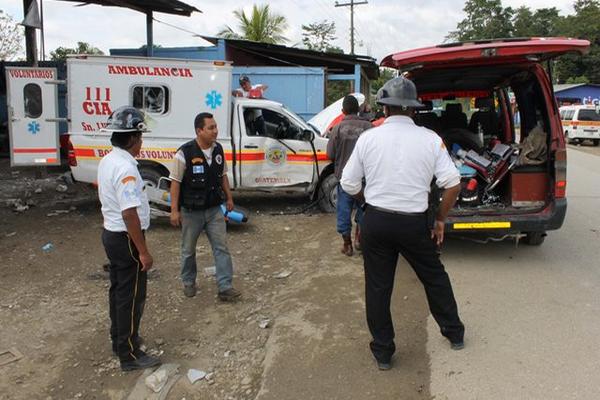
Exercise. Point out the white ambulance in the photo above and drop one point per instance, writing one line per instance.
(581, 122)
(267, 146)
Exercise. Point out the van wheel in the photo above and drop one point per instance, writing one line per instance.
(596, 142)
(535, 238)
(328, 194)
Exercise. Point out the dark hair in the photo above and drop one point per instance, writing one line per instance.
(123, 140)
(244, 78)
(199, 121)
(350, 105)
(399, 110)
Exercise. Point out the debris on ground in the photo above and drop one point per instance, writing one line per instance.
(195, 375)
(155, 385)
(10, 355)
(264, 324)
(48, 247)
(282, 274)
(157, 380)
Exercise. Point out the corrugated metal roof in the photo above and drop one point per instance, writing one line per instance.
(145, 6)
(303, 57)
(567, 86)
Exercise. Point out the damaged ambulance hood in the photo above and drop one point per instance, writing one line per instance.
(332, 115)
(485, 52)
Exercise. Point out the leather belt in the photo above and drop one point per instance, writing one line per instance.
(385, 210)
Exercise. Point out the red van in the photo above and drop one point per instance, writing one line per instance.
(492, 102)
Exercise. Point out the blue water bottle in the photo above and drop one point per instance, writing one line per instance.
(233, 215)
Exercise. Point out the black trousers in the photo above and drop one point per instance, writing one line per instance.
(383, 237)
(127, 293)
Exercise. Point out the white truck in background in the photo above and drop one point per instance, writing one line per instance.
(281, 153)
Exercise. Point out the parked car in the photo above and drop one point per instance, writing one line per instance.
(581, 122)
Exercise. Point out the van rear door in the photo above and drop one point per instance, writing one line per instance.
(32, 106)
(485, 52)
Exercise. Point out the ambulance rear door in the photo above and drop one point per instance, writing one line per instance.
(32, 108)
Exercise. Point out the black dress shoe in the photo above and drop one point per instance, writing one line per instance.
(457, 345)
(142, 362)
(384, 366)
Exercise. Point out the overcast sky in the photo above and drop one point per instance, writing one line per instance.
(382, 26)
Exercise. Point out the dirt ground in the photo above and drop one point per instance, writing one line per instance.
(53, 307)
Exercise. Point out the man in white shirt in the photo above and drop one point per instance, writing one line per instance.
(254, 117)
(397, 162)
(126, 214)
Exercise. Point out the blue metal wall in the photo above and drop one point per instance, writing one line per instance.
(581, 92)
(300, 89)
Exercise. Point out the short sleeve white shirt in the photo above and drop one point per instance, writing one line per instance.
(398, 161)
(120, 187)
(178, 169)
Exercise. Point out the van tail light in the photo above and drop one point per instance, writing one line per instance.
(72, 159)
(560, 173)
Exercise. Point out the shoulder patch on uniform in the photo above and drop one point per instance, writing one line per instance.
(197, 160)
(128, 179)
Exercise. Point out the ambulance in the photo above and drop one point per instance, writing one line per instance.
(267, 146)
(581, 122)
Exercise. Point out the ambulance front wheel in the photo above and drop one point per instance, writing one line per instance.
(150, 176)
(328, 194)
(596, 142)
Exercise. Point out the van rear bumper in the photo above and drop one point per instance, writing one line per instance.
(550, 218)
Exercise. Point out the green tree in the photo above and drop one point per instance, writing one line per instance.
(542, 22)
(336, 90)
(577, 79)
(585, 24)
(318, 36)
(61, 53)
(486, 19)
(335, 50)
(260, 26)
(385, 74)
(11, 37)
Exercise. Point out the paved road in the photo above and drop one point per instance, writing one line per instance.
(532, 317)
(532, 312)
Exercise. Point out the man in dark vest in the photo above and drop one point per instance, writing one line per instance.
(199, 185)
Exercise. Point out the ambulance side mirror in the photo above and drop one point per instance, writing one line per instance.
(308, 135)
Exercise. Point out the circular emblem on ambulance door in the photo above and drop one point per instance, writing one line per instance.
(219, 159)
(275, 156)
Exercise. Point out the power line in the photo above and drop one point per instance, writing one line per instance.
(178, 28)
(351, 5)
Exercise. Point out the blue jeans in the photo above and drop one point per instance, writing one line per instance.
(345, 205)
(211, 220)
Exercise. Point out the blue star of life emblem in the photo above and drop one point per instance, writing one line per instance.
(213, 99)
(33, 127)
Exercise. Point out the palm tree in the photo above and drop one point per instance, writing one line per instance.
(261, 26)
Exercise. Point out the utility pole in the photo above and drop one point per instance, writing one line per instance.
(30, 36)
(351, 5)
